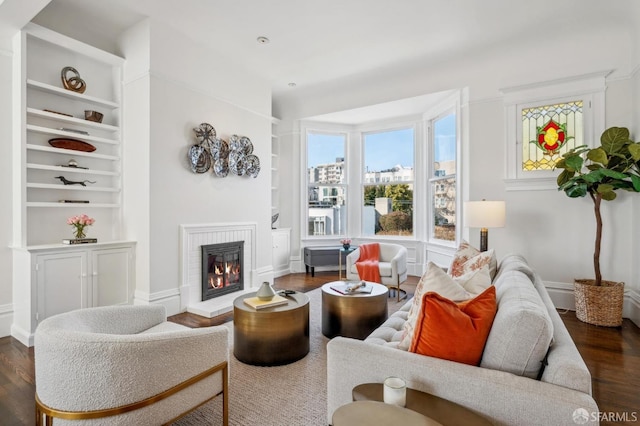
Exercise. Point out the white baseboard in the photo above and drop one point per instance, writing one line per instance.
(6, 319)
(562, 296)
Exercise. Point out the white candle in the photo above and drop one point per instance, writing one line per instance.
(395, 391)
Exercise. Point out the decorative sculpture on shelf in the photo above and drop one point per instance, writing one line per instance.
(235, 157)
(75, 83)
(72, 182)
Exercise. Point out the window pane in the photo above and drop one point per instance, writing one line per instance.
(326, 207)
(325, 158)
(388, 183)
(548, 131)
(388, 210)
(444, 209)
(443, 181)
(327, 210)
(444, 146)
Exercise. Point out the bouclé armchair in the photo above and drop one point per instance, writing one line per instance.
(126, 365)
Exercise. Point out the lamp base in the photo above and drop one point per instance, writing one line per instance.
(484, 239)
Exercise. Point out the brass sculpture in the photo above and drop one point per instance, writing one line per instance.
(74, 83)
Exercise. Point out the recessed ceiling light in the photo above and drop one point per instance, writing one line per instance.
(292, 84)
(262, 40)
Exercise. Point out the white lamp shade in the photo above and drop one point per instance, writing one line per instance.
(484, 214)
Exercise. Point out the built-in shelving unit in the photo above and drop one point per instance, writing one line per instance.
(275, 163)
(50, 111)
(50, 277)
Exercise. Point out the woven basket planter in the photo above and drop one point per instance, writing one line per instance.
(599, 305)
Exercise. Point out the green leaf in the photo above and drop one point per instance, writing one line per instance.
(579, 190)
(634, 149)
(573, 162)
(635, 180)
(614, 138)
(609, 195)
(560, 164)
(605, 187)
(564, 177)
(613, 174)
(598, 155)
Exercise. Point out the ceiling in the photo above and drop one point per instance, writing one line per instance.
(316, 42)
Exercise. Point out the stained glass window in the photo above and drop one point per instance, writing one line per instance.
(548, 131)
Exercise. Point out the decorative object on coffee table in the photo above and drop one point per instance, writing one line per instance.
(79, 223)
(395, 391)
(74, 83)
(94, 116)
(611, 166)
(265, 292)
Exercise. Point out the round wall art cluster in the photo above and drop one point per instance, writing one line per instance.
(211, 152)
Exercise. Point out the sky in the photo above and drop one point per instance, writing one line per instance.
(384, 150)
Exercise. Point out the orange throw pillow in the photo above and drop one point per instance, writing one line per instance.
(454, 331)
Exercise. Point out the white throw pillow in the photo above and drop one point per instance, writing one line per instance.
(436, 280)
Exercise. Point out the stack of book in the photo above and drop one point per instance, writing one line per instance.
(258, 304)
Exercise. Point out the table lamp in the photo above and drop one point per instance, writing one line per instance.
(484, 214)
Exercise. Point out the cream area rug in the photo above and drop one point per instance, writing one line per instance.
(288, 395)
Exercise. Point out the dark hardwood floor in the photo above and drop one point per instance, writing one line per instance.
(611, 354)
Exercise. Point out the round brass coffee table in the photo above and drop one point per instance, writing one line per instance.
(368, 413)
(353, 315)
(271, 336)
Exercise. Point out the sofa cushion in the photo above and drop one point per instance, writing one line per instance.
(456, 289)
(468, 258)
(522, 329)
(456, 332)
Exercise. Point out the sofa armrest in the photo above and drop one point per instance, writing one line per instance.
(504, 398)
(399, 263)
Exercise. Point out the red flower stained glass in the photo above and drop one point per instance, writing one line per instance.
(551, 137)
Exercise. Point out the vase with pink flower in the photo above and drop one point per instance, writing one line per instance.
(346, 243)
(79, 224)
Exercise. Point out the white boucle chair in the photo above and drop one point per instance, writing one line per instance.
(392, 265)
(126, 365)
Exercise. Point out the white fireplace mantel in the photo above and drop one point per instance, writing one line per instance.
(192, 237)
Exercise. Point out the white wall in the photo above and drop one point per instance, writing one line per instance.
(172, 86)
(6, 230)
(554, 232)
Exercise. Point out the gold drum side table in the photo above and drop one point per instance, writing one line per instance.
(271, 336)
(353, 315)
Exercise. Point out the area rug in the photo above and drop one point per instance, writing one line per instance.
(288, 395)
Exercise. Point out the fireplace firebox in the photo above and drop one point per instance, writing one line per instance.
(222, 269)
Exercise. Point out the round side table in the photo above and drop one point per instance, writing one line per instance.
(271, 336)
(367, 413)
(353, 315)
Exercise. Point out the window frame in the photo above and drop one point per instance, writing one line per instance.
(363, 131)
(590, 89)
(451, 106)
(305, 219)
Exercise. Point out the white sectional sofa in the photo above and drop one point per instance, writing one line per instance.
(505, 387)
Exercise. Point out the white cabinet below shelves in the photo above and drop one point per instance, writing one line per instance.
(281, 251)
(49, 280)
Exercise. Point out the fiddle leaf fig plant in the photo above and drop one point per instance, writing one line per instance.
(600, 172)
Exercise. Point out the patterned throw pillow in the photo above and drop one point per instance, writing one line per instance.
(456, 289)
(468, 258)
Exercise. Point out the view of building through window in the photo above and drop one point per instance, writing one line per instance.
(327, 191)
(388, 183)
(443, 178)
